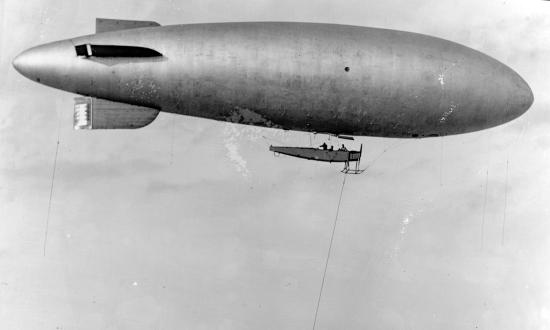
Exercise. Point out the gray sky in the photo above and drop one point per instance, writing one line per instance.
(193, 224)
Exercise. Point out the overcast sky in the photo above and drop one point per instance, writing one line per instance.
(193, 224)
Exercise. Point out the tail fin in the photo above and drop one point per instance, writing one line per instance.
(94, 113)
(106, 24)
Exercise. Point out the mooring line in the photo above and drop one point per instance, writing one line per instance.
(328, 253)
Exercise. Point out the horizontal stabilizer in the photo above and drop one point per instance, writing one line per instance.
(88, 50)
(106, 24)
(94, 113)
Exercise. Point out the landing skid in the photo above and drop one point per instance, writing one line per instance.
(357, 160)
(348, 170)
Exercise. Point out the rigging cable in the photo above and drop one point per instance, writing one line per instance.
(272, 139)
(375, 159)
(328, 253)
(172, 139)
(441, 163)
(513, 144)
(51, 189)
(484, 209)
(505, 203)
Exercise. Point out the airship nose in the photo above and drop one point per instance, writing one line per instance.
(518, 95)
(504, 94)
(45, 62)
(31, 63)
(19, 63)
(525, 97)
(28, 63)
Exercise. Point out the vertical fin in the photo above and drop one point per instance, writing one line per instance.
(106, 24)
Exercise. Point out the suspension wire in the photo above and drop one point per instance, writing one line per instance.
(328, 253)
(51, 188)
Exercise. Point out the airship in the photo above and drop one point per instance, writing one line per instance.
(325, 78)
